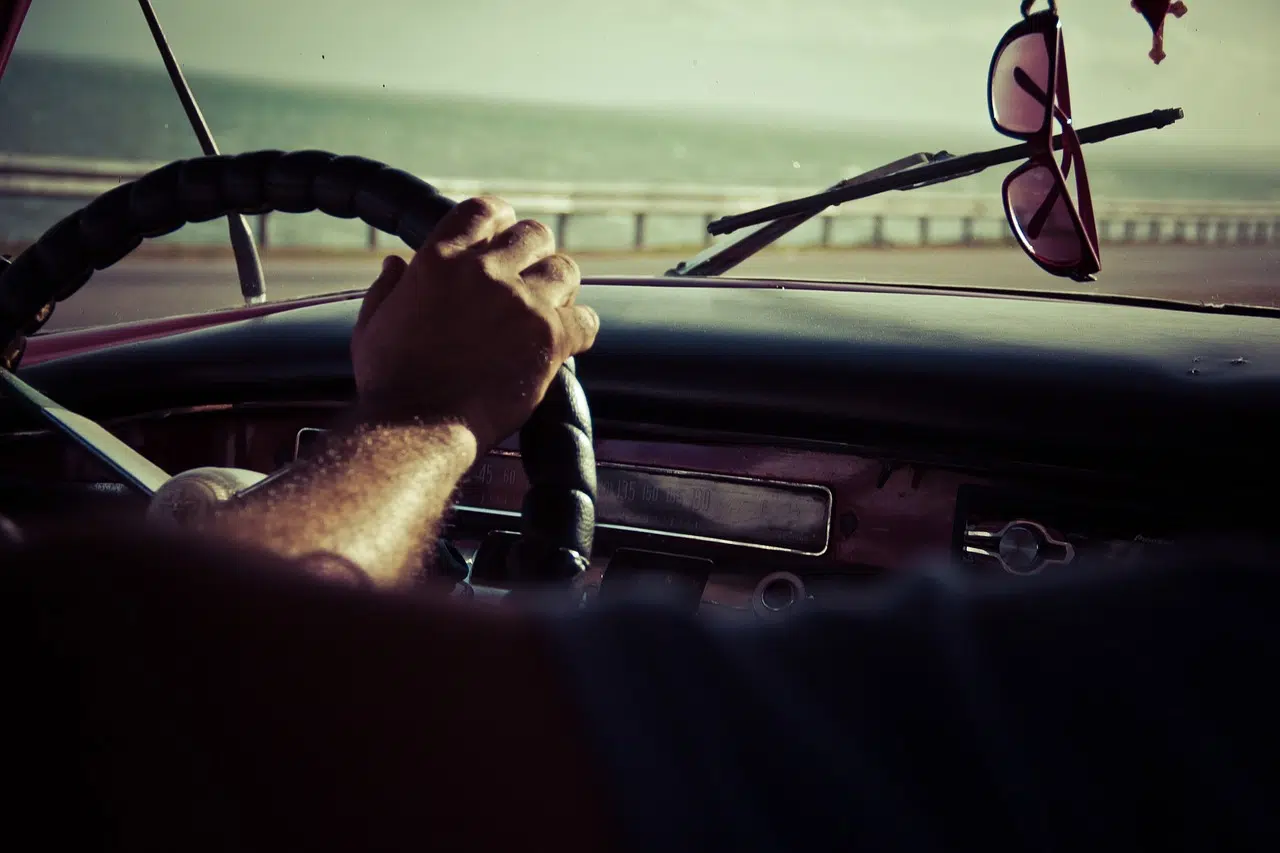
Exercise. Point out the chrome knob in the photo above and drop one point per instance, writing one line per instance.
(1020, 547)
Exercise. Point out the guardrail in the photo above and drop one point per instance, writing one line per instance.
(1204, 222)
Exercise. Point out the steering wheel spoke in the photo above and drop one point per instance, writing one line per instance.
(136, 470)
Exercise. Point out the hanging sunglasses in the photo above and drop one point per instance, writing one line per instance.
(1027, 93)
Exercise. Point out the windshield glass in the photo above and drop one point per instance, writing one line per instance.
(628, 128)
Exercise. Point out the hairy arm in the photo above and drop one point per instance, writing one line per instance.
(374, 497)
(451, 353)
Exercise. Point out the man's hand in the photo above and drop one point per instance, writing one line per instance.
(474, 328)
(452, 352)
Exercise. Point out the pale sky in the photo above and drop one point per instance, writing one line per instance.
(839, 60)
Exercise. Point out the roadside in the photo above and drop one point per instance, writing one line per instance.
(149, 285)
(150, 249)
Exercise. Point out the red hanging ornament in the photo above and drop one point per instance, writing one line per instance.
(1155, 12)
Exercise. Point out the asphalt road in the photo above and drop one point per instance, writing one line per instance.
(145, 287)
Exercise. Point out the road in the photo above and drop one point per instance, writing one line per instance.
(143, 287)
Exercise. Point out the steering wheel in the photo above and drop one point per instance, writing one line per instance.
(558, 513)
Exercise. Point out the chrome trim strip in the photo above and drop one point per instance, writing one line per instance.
(179, 411)
(297, 439)
(501, 513)
(253, 406)
(622, 528)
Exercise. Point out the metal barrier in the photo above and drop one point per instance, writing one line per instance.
(1119, 221)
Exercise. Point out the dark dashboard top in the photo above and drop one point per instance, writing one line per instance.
(961, 374)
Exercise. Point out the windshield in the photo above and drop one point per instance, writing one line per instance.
(629, 128)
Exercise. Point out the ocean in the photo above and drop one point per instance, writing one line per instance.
(72, 108)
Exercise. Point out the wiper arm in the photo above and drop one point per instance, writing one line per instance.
(720, 258)
(947, 169)
(941, 157)
(248, 263)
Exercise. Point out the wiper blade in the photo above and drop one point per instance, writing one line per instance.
(946, 170)
(723, 257)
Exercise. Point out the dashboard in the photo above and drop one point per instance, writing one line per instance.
(757, 446)
(740, 524)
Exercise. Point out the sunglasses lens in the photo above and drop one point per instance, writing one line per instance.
(1041, 217)
(1020, 103)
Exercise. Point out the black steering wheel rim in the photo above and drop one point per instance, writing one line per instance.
(557, 450)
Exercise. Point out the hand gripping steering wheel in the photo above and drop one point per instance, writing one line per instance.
(558, 513)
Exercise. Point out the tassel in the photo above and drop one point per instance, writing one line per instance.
(1155, 12)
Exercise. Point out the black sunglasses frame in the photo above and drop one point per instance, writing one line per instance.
(1048, 25)
(1043, 23)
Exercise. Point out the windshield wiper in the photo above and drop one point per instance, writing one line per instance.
(717, 259)
(909, 173)
(248, 263)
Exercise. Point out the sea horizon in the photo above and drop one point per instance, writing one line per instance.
(93, 109)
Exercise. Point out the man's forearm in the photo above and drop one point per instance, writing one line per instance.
(375, 496)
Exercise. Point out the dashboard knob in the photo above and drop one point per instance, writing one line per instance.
(776, 594)
(1019, 547)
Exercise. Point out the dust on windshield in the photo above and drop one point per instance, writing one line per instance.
(629, 129)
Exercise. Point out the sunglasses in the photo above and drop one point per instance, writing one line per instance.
(1027, 93)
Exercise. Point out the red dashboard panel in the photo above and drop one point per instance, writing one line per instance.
(881, 516)
(749, 508)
